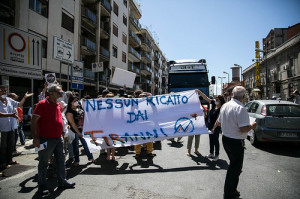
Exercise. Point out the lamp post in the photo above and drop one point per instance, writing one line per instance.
(266, 51)
(221, 84)
(241, 71)
(228, 76)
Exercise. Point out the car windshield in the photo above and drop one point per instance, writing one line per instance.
(283, 110)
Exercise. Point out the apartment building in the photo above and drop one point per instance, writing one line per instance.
(102, 31)
(279, 72)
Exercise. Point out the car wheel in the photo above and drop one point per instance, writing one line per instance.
(253, 140)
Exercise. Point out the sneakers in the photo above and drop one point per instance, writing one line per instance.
(215, 158)
(43, 191)
(210, 155)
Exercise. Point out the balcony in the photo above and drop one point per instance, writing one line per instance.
(146, 70)
(89, 74)
(105, 8)
(136, 26)
(135, 9)
(88, 47)
(134, 69)
(146, 44)
(88, 16)
(105, 30)
(134, 56)
(156, 56)
(146, 57)
(104, 54)
(134, 40)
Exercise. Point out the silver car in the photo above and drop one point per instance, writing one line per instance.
(276, 121)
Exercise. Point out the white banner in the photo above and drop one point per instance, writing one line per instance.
(118, 122)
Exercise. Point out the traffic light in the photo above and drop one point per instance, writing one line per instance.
(213, 80)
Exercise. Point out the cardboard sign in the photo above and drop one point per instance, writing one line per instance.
(123, 77)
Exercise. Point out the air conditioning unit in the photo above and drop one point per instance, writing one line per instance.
(286, 67)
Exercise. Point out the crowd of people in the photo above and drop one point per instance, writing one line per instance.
(58, 121)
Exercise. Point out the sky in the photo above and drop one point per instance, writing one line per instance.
(221, 31)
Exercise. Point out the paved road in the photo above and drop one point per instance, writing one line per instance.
(272, 171)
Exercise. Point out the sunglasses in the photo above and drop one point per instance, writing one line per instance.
(61, 92)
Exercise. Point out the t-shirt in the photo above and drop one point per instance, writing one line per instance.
(212, 115)
(77, 115)
(8, 123)
(50, 124)
(233, 115)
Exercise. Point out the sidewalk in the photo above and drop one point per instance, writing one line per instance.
(24, 157)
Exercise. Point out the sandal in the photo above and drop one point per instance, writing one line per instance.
(76, 164)
(107, 158)
(92, 160)
(13, 162)
(4, 166)
(197, 152)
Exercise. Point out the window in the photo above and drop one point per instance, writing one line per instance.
(44, 48)
(115, 30)
(67, 22)
(115, 51)
(124, 38)
(123, 57)
(124, 20)
(39, 6)
(116, 9)
(125, 3)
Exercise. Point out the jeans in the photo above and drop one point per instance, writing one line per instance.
(76, 148)
(7, 146)
(190, 140)
(56, 146)
(19, 133)
(235, 151)
(214, 144)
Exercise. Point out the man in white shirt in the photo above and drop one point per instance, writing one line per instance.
(235, 124)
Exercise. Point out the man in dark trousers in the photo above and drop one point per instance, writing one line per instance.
(47, 130)
(235, 124)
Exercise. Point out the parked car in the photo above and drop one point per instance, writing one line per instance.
(27, 115)
(277, 121)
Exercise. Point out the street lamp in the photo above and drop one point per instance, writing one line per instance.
(228, 76)
(241, 70)
(221, 84)
(266, 51)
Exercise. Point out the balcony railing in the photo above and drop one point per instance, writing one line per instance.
(136, 22)
(134, 52)
(104, 52)
(135, 37)
(85, 12)
(147, 42)
(88, 43)
(106, 5)
(144, 54)
(146, 68)
(105, 26)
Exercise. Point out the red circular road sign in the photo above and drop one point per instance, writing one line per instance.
(11, 45)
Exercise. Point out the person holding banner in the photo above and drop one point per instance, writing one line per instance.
(74, 113)
(110, 150)
(149, 145)
(235, 123)
(212, 117)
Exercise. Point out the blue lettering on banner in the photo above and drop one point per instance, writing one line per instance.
(100, 104)
(135, 117)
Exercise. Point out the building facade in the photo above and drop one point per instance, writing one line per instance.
(279, 72)
(102, 31)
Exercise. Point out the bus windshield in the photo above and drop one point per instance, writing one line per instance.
(188, 80)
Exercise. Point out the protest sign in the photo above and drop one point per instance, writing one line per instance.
(123, 77)
(50, 78)
(117, 122)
